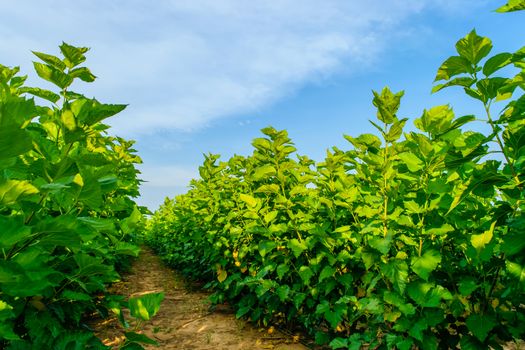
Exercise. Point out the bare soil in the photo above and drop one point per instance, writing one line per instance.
(185, 320)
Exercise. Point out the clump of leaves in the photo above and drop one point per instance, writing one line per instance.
(405, 240)
(67, 213)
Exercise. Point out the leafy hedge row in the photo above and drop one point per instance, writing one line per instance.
(406, 240)
(66, 210)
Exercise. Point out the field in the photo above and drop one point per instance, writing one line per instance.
(411, 238)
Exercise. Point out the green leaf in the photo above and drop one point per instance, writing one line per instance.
(437, 120)
(14, 141)
(53, 75)
(468, 342)
(381, 244)
(467, 286)
(42, 93)
(145, 306)
(11, 191)
(270, 216)
(306, 274)
(513, 244)
(51, 60)
(496, 62)
(249, 200)
(396, 130)
(326, 272)
(5, 311)
(490, 88)
(283, 293)
(132, 346)
(397, 273)
(266, 246)
(140, 338)
(517, 271)
(453, 66)
(7, 331)
(91, 193)
(427, 263)
(125, 248)
(480, 241)
(338, 343)
(68, 120)
(221, 274)
(13, 231)
(462, 81)
(73, 55)
(129, 224)
(83, 73)
(297, 247)
(480, 325)
(263, 172)
(413, 163)
(76, 296)
(428, 294)
(387, 104)
(92, 111)
(398, 301)
(282, 269)
(474, 47)
(242, 311)
(364, 141)
(512, 5)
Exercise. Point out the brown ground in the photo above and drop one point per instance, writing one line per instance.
(185, 320)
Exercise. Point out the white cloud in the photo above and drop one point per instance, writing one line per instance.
(184, 63)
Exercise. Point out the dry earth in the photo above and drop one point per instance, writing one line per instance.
(185, 320)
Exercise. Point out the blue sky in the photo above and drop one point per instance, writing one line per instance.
(206, 75)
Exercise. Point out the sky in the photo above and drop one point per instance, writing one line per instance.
(204, 76)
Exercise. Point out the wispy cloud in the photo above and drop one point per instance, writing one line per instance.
(185, 63)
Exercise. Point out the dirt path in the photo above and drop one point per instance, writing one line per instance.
(184, 320)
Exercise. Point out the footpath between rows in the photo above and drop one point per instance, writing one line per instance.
(185, 320)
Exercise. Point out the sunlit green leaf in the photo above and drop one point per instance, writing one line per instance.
(512, 5)
(474, 47)
(426, 263)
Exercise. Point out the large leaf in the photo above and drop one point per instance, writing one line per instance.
(425, 264)
(73, 55)
(480, 241)
(453, 66)
(83, 73)
(413, 163)
(11, 191)
(249, 200)
(512, 5)
(480, 325)
(427, 294)
(517, 271)
(306, 274)
(266, 246)
(13, 231)
(387, 104)
(42, 93)
(53, 75)
(496, 62)
(397, 273)
(14, 141)
(473, 47)
(51, 60)
(145, 306)
(297, 246)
